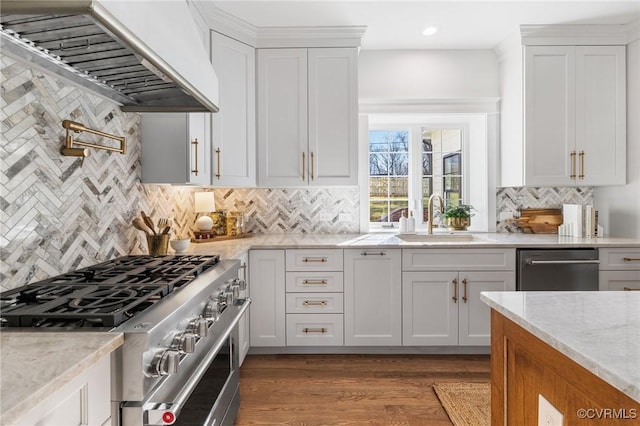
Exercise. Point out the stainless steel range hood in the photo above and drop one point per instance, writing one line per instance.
(145, 55)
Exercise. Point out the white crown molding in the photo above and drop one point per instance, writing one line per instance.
(633, 31)
(576, 35)
(429, 106)
(346, 36)
(230, 25)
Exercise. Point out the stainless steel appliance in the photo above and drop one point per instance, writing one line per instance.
(557, 269)
(180, 358)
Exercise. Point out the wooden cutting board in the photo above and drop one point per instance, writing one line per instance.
(539, 221)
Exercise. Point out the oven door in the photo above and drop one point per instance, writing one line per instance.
(204, 391)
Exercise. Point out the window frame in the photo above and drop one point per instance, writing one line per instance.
(415, 129)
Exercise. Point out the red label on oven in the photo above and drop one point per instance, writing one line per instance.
(168, 417)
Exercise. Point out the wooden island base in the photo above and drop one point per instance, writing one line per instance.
(524, 367)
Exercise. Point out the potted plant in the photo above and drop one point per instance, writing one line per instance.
(458, 217)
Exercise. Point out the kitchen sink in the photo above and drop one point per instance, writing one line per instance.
(436, 238)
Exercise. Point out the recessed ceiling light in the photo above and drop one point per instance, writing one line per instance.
(430, 30)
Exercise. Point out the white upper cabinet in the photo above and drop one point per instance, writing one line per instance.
(307, 116)
(574, 115)
(233, 127)
(176, 148)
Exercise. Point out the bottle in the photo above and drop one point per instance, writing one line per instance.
(411, 222)
(403, 223)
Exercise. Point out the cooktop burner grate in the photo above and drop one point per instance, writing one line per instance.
(104, 295)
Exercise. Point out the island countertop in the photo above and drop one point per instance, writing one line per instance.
(598, 330)
(34, 365)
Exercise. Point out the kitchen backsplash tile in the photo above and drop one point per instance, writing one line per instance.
(513, 199)
(58, 216)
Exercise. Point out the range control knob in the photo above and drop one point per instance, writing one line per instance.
(225, 298)
(199, 327)
(242, 284)
(184, 343)
(167, 363)
(212, 311)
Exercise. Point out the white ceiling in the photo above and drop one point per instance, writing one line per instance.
(471, 24)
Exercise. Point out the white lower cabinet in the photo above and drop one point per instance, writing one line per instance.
(619, 269)
(372, 297)
(243, 324)
(443, 308)
(86, 400)
(267, 311)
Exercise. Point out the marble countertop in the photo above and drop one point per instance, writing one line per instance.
(598, 330)
(235, 248)
(34, 365)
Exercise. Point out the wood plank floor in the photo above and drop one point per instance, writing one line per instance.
(323, 390)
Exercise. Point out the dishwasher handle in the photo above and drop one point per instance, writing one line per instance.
(563, 262)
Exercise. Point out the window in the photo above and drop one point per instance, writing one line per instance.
(407, 165)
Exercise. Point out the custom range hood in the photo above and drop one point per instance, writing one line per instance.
(145, 55)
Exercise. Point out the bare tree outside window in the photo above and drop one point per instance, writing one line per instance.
(388, 174)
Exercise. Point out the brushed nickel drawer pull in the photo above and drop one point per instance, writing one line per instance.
(631, 259)
(315, 303)
(194, 144)
(455, 290)
(315, 260)
(322, 330)
(314, 282)
(374, 253)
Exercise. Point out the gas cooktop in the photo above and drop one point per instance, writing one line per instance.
(103, 295)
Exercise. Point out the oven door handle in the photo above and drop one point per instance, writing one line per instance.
(563, 262)
(176, 406)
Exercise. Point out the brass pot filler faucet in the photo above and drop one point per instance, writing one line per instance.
(69, 150)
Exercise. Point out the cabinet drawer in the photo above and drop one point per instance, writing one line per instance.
(315, 330)
(619, 258)
(316, 303)
(619, 280)
(458, 259)
(314, 260)
(314, 281)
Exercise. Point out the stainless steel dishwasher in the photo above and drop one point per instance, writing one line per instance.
(557, 269)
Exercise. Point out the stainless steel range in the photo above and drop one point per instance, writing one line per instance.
(180, 358)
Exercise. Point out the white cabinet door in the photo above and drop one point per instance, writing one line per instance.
(429, 313)
(233, 133)
(267, 311)
(333, 116)
(307, 116)
(601, 115)
(243, 324)
(549, 115)
(282, 117)
(475, 315)
(176, 148)
(575, 115)
(372, 297)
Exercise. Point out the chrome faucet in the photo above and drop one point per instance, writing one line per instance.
(430, 210)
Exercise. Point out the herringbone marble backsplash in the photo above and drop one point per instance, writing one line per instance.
(58, 216)
(515, 199)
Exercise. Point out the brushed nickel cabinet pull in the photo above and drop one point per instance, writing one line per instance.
(218, 152)
(455, 290)
(464, 296)
(314, 282)
(303, 172)
(631, 259)
(573, 165)
(581, 155)
(631, 289)
(314, 303)
(194, 145)
(311, 166)
(308, 330)
(373, 253)
(315, 260)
